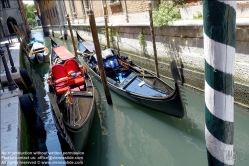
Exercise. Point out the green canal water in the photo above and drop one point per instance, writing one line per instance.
(126, 134)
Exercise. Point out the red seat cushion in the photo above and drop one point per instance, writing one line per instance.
(61, 88)
(58, 71)
(71, 65)
(79, 80)
(63, 79)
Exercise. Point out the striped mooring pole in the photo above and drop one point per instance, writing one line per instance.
(219, 18)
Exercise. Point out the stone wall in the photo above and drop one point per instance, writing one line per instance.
(184, 43)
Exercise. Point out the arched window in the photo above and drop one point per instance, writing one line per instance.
(13, 21)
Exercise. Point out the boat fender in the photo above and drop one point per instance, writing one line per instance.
(30, 114)
(27, 107)
(26, 80)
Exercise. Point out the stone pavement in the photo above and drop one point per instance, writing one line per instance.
(10, 113)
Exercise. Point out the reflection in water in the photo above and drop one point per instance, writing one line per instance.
(127, 134)
(130, 136)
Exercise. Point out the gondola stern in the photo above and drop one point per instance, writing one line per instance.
(180, 101)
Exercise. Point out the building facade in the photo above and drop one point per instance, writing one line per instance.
(119, 11)
(12, 11)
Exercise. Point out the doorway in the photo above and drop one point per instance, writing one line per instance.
(9, 20)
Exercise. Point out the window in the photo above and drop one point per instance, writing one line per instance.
(5, 3)
(54, 12)
(74, 9)
(51, 14)
(64, 5)
(114, 2)
(86, 4)
(47, 14)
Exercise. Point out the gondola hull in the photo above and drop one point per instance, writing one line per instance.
(138, 85)
(171, 105)
(38, 53)
(78, 135)
(73, 107)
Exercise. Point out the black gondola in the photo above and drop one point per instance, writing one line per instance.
(133, 82)
(71, 96)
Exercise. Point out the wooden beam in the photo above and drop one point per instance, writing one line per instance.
(99, 57)
(153, 39)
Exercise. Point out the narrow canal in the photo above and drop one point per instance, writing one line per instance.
(126, 134)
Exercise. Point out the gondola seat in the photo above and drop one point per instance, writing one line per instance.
(71, 65)
(62, 78)
(61, 88)
(111, 62)
(73, 71)
(59, 73)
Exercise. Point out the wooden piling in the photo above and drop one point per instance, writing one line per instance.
(153, 39)
(71, 32)
(106, 26)
(49, 16)
(99, 57)
(219, 19)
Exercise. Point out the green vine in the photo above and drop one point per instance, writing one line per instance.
(141, 39)
(118, 36)
(198, 16)
(165, 13)
(110, 31)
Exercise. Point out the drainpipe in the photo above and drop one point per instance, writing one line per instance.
(126, 12)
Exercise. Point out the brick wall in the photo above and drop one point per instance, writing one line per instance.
(137, 6)
(98, 8)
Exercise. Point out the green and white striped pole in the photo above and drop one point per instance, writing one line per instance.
(219, 46)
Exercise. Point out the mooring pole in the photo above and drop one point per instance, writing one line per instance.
(13, 69)
(99, 58)
(11, 84)
(49, 15)
(219, 48)
(153, 39)
(106, 26)
(71, 32)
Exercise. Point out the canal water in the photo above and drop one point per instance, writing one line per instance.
(126, 134)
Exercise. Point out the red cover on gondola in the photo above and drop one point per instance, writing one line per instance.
(63, 53)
